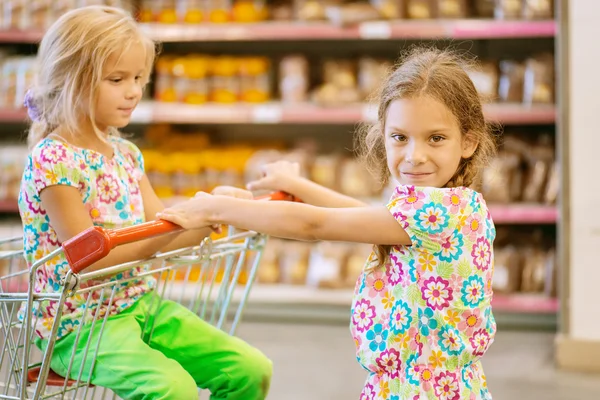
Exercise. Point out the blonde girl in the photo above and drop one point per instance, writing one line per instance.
(93, 64)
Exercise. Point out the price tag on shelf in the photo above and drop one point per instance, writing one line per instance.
(375, 30)
(267, 114)
(143, 113)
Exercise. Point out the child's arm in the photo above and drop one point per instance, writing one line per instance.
(285, 176)
(374, 225)
(69, 217)
(153, 205)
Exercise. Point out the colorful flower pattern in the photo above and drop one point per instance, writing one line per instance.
(423, 321)
(110, 192)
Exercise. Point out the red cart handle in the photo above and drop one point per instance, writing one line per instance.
(95, 243)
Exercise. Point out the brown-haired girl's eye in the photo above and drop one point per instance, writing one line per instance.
(437, 138)
(399, 138)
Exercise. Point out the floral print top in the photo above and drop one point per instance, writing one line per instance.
(110, 191)
(422, 323)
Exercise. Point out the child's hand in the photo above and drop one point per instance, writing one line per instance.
(276, 176)
(191, 214)
(232, 192)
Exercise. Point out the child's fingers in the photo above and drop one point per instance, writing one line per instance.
(265, 183)
(171, 216)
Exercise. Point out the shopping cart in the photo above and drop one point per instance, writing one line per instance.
(207, 279)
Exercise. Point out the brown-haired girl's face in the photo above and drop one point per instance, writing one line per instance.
(423, 142)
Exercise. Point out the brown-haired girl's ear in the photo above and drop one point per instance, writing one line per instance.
(469, 145)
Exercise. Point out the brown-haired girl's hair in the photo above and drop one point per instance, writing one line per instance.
(441, 75)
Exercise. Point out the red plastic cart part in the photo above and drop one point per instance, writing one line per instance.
(279, 196)
(95, 243)
(33, 375)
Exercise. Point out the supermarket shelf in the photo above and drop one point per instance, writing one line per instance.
(272, 113)
(524, 214)
(281, 31)
(9, 206)
(19, 36)
(407, 29)
(12, 115)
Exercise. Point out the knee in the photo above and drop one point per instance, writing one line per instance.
(254, 373)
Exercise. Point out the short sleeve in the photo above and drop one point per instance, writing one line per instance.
(133, 157)
(54, 163)
(434, 216)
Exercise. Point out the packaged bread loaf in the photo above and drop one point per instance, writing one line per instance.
(351, 13)
(451, 9)
(293, 79)
(538, 9)
(484, 8)
(485, 78)
(420, 9)
(539, 161)
(508, 9)
(390, 9)
(510, 86)
(507, 270)
(538, 85)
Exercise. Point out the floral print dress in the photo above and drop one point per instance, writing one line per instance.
(422, 323)
(110, 191)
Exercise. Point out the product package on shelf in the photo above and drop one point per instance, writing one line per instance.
(523, 172)
(324, 265)
(12, 164)
(197, 79)
(524, 263)
(181, 164)
(199, 11)
(16, 77)
(40, 14)
(11, 228)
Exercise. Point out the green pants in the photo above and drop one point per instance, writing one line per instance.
(184, 353)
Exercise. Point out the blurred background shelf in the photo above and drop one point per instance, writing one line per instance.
(307, 113)
(191, 143)
(9, 206)
(285, 31)
(524, 213)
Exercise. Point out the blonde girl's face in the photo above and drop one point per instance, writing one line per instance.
(121, 88)
(423, 142)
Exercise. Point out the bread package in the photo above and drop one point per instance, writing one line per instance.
(507, 270)
(446, 9)
(484, 8)
(390, 9)
(293, 79)
(538, 85)
(485, 78)
(510, 84)
(508, 9)
(538, 9)
(539, 161)
(420, 9)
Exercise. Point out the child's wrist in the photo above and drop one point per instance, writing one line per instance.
(293, 185)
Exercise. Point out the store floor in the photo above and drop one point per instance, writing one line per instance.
(316, 362)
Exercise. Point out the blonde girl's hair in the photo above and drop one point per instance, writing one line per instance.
(441, 75)
(70, 63)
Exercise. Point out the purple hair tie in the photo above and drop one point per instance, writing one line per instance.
(32, 109)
